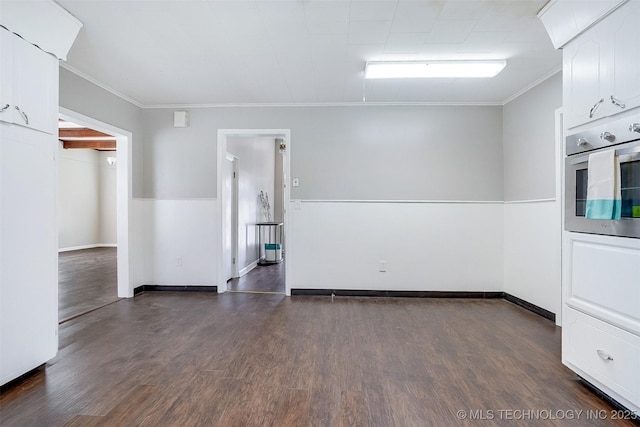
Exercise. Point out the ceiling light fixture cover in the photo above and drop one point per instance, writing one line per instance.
(433, 69)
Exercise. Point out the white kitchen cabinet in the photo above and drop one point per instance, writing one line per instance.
(28, 93)
(28, 198)
(601, 313)
(601, 75)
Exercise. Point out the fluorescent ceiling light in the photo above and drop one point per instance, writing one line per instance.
(433, 69)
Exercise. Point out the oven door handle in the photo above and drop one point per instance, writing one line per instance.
(625, 154)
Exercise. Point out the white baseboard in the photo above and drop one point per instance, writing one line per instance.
(248, 268)
(95, 245)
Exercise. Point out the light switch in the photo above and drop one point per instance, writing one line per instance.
(296, 182)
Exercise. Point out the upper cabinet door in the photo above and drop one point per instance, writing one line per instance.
(625, 54)
(601, 68)
(584, 78)
(35, 99)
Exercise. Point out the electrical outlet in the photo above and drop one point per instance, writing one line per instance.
(178, 261)
(382, 266)
(296, 182)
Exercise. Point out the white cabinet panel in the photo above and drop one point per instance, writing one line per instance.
(28, 250)
(607, 275)
(29, 85)
(604, 354)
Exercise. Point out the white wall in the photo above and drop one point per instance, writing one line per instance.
(255, 168)
(180, 241)
(107, 200)
(86, 199)
(426, 246)
(374, 153)
(532, 225)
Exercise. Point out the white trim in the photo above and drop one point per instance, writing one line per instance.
(478, 202)
(221, 157)
(124, 191)
(179, 199)
(452, 202)
(327, 104)
(515, 202)
(81, 247)
(532, 85)
(559, 146)
(248, 268)
(100, 84)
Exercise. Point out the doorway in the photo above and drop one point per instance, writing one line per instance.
(260, 165)
(123, 190)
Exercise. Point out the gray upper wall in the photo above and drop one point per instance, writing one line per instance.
(529, 142)
(344, 153)
(80, 95)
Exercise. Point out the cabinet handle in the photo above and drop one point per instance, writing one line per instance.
(4, 108)
(616, 102)
(23, 114)
(595, 107)
(604, 355)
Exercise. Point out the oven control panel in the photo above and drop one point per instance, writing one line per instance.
(612, 133)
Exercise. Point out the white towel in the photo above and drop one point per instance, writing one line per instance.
(604, 199)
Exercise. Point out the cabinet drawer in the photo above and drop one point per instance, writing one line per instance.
(602, 351)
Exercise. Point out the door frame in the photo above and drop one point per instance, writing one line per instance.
(234, 216)
(223, 134)
(124, 191)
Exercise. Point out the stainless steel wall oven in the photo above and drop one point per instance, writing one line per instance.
(623, 136)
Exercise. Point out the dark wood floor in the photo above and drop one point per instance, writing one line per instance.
(87, 279)
(263, 278)
(202, 359)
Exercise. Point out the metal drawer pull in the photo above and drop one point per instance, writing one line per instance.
(616, 102)
(595, 107)
(604, 355)
(24, 115)
(4, 108)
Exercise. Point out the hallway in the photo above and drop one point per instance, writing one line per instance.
(263, 278)
(87, 279)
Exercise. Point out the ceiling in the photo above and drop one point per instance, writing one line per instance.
(203, 52)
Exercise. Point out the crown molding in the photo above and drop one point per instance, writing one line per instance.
(325, 104)
(532, 85)
(100, 84)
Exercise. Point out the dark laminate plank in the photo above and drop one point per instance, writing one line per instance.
(85, 421)
(165, 359)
